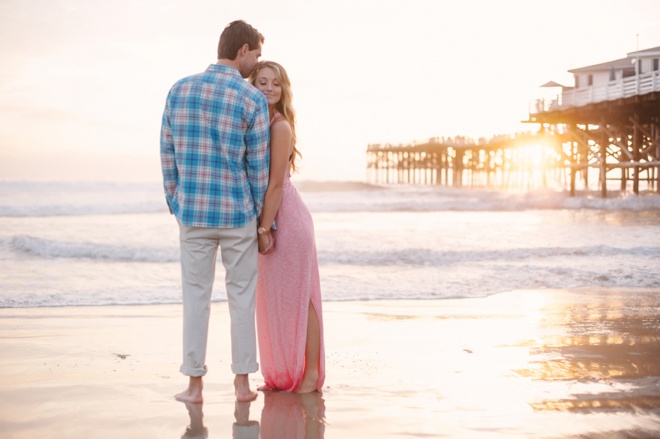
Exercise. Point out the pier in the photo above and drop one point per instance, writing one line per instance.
(604, 129)
(519, 161)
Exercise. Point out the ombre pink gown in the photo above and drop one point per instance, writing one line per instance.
(288, 281)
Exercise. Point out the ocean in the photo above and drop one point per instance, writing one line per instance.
(104, 244)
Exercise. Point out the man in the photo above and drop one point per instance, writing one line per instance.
(214, 157)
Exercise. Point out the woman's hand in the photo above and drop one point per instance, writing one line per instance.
(266, 243)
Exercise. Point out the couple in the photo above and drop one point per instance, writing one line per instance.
(227, 149)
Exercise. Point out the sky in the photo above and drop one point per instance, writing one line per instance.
(83, 82)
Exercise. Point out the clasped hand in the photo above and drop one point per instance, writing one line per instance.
(266, 243)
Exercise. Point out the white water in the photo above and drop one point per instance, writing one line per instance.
(65, 244)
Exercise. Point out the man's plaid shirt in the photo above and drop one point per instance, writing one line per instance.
(214, 149)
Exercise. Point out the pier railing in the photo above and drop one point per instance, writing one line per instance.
(621, 88)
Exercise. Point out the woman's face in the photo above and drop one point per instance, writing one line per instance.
(267, 82)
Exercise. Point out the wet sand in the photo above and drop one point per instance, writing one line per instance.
(534, 364)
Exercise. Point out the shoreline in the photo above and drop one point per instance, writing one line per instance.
(529, 363)
(421, 300)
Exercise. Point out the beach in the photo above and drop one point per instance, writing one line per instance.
(553, 363)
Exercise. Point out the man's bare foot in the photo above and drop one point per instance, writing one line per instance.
(242, 389)
(193, 393)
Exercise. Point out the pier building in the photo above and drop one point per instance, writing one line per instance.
(605, 127)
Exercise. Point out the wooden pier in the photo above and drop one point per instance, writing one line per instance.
(614, 129)
(521, 161)
(606, 128)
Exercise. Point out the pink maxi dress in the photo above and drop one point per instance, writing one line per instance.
(288, 280)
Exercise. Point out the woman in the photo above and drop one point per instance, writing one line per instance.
(289, 317)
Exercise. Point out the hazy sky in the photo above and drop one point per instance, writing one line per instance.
(83, 82)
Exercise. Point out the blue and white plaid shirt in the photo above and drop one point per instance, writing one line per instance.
(214, 149)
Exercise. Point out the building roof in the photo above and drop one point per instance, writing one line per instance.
(619, 64)
(646, 52)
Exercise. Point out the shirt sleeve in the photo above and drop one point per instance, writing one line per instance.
(258, 153)
(167, 161)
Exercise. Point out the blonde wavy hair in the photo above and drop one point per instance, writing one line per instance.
(285, 105)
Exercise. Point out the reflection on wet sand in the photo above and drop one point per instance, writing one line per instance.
(608, 352)
(196, 428)
(242, 428)
(285, 415)
(293, 416)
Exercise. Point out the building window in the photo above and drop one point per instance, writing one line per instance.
(590, 80)
(639, 66)
(656, 67)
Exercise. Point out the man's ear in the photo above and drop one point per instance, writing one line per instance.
(244, 49)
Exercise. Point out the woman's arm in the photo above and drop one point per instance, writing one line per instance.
(280, 149)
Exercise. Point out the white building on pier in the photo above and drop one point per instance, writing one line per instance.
(638, 73)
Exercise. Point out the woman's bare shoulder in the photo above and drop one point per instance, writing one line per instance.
(280, 126)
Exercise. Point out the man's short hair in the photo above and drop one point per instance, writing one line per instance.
(236, 35)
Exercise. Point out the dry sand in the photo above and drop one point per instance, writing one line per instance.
(542, 363)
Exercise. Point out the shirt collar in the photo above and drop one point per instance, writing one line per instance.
(218, 68)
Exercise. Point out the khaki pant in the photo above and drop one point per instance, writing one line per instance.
(199, 249)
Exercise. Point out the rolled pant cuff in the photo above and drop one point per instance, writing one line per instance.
(242, 369)
(193, 371)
